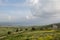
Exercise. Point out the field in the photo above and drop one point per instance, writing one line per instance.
(14, 33)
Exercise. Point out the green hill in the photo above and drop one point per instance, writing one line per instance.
(30, 33)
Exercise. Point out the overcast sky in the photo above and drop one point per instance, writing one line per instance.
(29, 12)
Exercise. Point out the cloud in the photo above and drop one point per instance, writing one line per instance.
(15, 15)
(29, 17)
(10, 3)
(47, 10)
(26, 3)
(40, 11)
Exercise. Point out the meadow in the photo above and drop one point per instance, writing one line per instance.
(29, 33)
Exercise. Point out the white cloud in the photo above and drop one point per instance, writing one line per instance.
(34, 1)
(46, 9)
(50, 7)
(25, 4)
(29, 17)
(9, 18)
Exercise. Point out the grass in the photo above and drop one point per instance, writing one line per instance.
(28, 35)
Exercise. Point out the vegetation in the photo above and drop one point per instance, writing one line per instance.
(30, 33)
(9, 32)
(17, 30)
(33, 29)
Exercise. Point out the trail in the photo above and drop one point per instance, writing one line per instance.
(3, 37)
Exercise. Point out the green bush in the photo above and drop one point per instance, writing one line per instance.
(17, 30)
(9, 32)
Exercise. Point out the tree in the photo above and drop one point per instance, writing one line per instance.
(33, 28)
(9, 32)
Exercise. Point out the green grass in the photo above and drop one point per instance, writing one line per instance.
(29, 35)
(36, 35)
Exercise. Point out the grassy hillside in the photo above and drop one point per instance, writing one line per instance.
(30, 33)
(34, 35)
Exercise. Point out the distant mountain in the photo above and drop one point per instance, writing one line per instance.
(23, 24)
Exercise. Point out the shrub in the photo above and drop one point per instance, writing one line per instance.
(9, 32)
(20, 29)
(17, 30)
(33, 28)
(41, 29)
(26, 29)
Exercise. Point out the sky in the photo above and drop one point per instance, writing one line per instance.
(30, 12)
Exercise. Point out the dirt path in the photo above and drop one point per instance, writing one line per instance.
(3, 37)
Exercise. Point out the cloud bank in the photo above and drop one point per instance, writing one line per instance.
(46, 9)
(31, 11)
